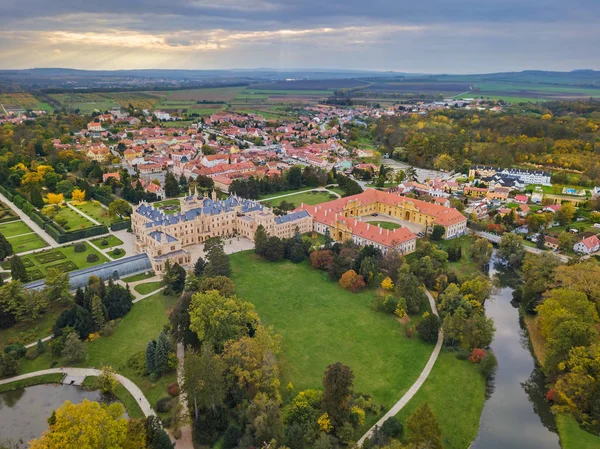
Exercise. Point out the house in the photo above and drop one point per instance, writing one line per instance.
(477, 192)
(99, 153)
(107, 176)
(550, 242)
(521, 199)
(95, 127)
(588, 245)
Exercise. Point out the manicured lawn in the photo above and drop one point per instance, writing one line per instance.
(455, 390)
(110, 239)
(385, 224)
(95, 210)
(27, 242)
(322, 324)
(574, 437)
(148, 287)
(139, 277)
(112, 254)
(168, 206)
(310, 198)
(64, 258)
(74, 219)
(284, 192)
(43, 379)
(30, 332)
(13, 228)
(142, 324)
(336, 190)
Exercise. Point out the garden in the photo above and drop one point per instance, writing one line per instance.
(69, 219)
(6, 213)
(168, 206)
(65, 258)
(108, 241)
(21, 237)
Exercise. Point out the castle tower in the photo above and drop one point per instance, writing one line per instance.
(214, 195)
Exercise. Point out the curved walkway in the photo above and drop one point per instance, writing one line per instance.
(418, 383)
(316, 189)
(129, 385)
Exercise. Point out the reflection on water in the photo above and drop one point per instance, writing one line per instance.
(24, 412)
(515, 415)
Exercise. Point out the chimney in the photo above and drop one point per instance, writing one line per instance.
(380, 231)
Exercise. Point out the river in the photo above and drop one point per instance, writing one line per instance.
(515, 415)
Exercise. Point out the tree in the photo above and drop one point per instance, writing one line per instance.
(57, 286)
(582, 277)
(107, 380)
(117, 300)
(478, 331)
(409, 287)
(265, 418)
(565, 214)
(156, 435)
(6, 248)
(199, 267)
(222, 284)
(36, 197)
(218, 263)
(17, 269)
(85, 425)
(512, 249)
(98, 312)
(423, 429)
(78, 195)
(260, 240)
(337, 392)
(438, 232)
(538, 273)
(171, 185)
(274, 249)
(161, 354)
(151, 357)
(566, 240)
(74, 350)
(55, 198)
(119, 208)
(481, 252)
(179, 275)
(429, 328)
(216, 319)
(204, 380)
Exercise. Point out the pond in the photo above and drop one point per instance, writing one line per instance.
(515, 414)
(24, 412)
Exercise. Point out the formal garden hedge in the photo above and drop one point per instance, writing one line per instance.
(120, 225)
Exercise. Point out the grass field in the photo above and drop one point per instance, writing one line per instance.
(14, 228)
(27, 242)
(463, 267)
(148, 287)
(110, 239)
(322, 324)
(74, 219)
(386, 224)
(142, 324)
(95, 210)
(283, 192)
(574, 437)
(310, 198)
(64, 258)
(139, 277)
(455, 390)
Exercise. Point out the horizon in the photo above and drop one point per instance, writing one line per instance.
(433, 36)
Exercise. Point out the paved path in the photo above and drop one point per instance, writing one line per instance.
(29, 222)
(129, 385)
(317, 189)
(185, 442)
(418, 383)
(83, 214)
(102, 251)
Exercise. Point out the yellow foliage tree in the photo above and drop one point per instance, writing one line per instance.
(30, 179)
(347, 279)
(43, 169)
(87, 425)
(78, 195)
(387, 284)
(324, 423)
(55, 198)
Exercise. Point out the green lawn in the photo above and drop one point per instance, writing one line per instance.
(574, 437)
(13, 228)
(74, 219)
(112, 254)
(30, 332)
(110, 239)
(95, 210)
(139, 277)
(464, 266)
(148, 287)
(27, 242)
(455, 390)
(386, 224)
(168, 206)
(121, 393)
(64, 258)
(136, 329)
(310, 198)
(322, 324)
(283, 192)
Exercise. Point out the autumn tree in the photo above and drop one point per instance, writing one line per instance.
(57, 286)
(107, 380)
(85, 425)
(264, 417)
(565, 214)
(337, 392)
(423, 428)
(55, 198)
(78, 195)
(582, 277)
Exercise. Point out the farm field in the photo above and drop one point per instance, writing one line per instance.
(23, 101)
(73, 219)
(322, 324)
(64, 258)
(85, 102)
(455, 390)
(95, 210)
(310, 198)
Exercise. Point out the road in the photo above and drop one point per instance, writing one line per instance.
(415, 386)
(494, 238)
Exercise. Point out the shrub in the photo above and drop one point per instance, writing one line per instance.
(163, 405)
(79, 247)
(117, 251)
(92, 257)
(173, 389)
(392, 428)
(462, 354)
(390, 303)
(109, 328)
(32, 354)
(488, 365)
(16, 350)
(429, 328)
(104, 242)
(476, 355)
(138, 363)
(409, 331)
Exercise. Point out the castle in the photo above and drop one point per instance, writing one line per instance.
(164, 236)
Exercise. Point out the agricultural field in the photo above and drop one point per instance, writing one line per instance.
(95, 210)
(86, 103)
(64, 258)
(322, 324)
(22, 101)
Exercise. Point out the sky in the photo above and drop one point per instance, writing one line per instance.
(424, 36)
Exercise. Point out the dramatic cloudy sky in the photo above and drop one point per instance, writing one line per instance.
(451, 36)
